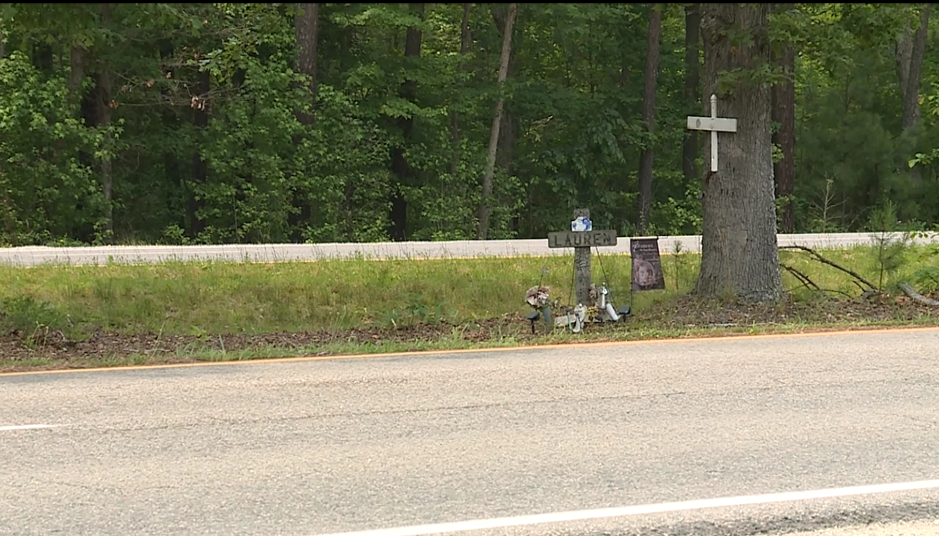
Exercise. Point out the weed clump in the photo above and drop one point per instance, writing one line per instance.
(36, 322)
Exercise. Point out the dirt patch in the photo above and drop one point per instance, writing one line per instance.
(671, 318)
(103, 345)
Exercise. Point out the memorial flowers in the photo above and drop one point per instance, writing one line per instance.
(537, 296)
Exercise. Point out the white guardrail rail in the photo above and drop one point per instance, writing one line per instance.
(101, 255)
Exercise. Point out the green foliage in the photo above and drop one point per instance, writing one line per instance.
(46, 193)
(891, 253)
(34, 320)
(417, 310)
(193, 116)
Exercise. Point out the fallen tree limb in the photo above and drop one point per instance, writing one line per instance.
(808, 283)
(804, 279)
(833, 264)
(917, 297)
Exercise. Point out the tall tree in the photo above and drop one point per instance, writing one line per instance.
(454, 115)
(689, 147)
(739, 249)
(508, 131)
(306, 27)
(650, 79)
(484, 207)
(200, 168)
(910, 51)
(399, 162)
(784, 102)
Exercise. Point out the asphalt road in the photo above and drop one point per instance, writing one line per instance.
(335, 446)
(98, 255)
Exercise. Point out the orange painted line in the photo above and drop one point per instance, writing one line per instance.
(555, 346)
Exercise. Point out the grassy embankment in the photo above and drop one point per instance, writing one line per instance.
(61, 316)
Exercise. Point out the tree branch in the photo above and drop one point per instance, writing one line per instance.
(833, 264)
(804, 279)
(917, 297)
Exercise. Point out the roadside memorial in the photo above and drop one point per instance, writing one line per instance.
(592, 303)
(646, 263)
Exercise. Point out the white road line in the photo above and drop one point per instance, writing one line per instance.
(26, 427)
(580, 515)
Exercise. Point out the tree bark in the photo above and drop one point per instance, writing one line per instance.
(910, 52)
(399, 163)
(103, 101)
(508, 130)
(484, 208)
(306, 27)
(689, 146)
(3, 49)
(648, 116)
(739, 248)
(454, 116)
(784, 97)
(76, 60)
(200, 169)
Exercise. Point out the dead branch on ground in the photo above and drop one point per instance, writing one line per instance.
(807, 282)
(833, 264)
(917, 297)
(804, 279)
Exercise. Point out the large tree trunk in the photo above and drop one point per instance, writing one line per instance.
(399, 163)
(689, 146)
(648, 116)
(784, 98)
(484, 208)
(306, 26)
(739, 250)
(454, 116)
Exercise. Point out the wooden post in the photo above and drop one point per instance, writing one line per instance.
(582, 273)
(582, 239)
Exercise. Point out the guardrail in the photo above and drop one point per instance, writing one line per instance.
(100, 255)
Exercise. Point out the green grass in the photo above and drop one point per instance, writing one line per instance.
(256, 298)
(222, 298)
(207, 305)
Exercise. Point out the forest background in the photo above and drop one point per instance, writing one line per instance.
(204, 123)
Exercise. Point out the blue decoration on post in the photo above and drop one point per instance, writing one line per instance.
(582, 224)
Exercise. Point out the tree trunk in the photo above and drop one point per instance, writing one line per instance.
(399, 163)
(910, 52)
(454, 116)
(911, 47)
(3, 50)
(739, 251)
(103, 101)
(306, 26)
(484, 208)
(200, 169)
(689, 146)
(508, 129)
(784, 97)
(76, 73)
(306, 32)
(648, 116)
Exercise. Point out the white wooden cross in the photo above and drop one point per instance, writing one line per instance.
(713, 124)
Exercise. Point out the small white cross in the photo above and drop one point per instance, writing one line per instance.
(713, 124)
